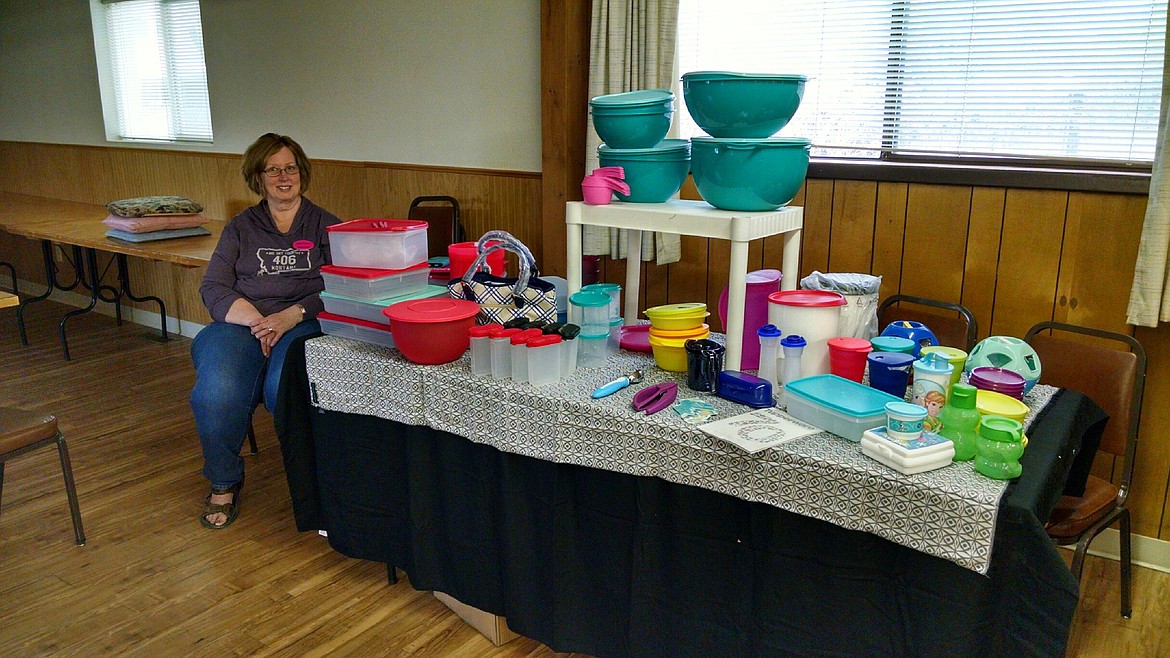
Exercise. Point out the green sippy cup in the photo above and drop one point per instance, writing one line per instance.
(1000, 444)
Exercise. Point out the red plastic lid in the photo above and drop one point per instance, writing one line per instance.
(484, 330)
(851, 344)
(431, 310)
(506, 333)
(543, 340)
(366, 272)
(817, 298)
(379, 225)
(525, 336)
(333, 317)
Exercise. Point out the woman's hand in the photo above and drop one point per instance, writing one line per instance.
(268, 329)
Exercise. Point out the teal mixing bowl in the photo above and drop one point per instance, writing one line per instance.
(748, 105)
(632, 127)
(749, 174)
(654, 174)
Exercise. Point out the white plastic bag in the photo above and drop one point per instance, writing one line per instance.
(859, 316)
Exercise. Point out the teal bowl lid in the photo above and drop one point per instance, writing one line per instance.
(892, 344)
(640, 97)
(746, 142)
(731, 75)
(906, 409)
(589, 298)
(675, 147)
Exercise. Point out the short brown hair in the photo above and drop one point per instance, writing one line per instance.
(262, 149)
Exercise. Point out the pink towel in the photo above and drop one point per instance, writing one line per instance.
(154, 222)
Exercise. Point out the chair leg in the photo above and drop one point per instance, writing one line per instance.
(1126, 565)
(391, 574)
(252, 438)
(1078, 561)
(70, 489)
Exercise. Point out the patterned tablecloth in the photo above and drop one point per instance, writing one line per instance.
(949, 512)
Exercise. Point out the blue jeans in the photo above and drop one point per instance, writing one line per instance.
(232, 376)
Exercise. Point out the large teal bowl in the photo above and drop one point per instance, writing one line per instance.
(632, 127)
(653, 174)
(748, 105)
(749, 174)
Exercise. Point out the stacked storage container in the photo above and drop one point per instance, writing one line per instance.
(376, 263)
(632, 126)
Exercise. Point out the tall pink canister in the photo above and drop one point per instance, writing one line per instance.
(760, 284)
(814, 314)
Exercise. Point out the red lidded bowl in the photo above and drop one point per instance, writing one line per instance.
(431, 331)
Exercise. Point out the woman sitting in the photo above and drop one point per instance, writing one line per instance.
(262, 290)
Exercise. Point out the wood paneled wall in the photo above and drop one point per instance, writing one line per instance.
(487, 199)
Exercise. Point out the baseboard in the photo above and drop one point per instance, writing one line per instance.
(139, 316)
(1147, 551)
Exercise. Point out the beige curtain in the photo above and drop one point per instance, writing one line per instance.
(1149, 297)
(632, 47)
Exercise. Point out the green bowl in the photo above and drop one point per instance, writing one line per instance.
(748, 105)
(654, 174)
(749, 174)
(632, 127)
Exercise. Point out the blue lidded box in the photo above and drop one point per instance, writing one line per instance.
(841, 406)
(745, 389)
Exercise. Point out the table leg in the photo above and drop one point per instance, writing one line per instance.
(51, 284)
(736, 297)
(573, 253)
(88, 274)
(790, 267)
(124, 291)
(633, 274)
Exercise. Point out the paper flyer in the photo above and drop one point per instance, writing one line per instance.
(760, 429)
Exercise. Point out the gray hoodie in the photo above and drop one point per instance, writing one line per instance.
(273, 271)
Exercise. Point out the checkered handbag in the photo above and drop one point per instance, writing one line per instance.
(503, 298)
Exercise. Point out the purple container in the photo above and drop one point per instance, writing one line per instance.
(760, 284)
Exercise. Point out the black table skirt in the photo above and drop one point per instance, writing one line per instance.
(610, 564)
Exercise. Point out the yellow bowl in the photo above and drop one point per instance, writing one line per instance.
(993, 403)
(671, 353)
(677, 317)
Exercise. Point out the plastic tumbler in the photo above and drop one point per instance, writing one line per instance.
(890, 371)
(769, 337)
(704, 363)
(847, 357)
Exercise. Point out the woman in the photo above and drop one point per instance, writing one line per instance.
(262, 290)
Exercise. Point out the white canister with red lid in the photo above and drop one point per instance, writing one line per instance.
(813, 314)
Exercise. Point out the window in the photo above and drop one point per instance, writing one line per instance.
(1008, 82)
(151, 70)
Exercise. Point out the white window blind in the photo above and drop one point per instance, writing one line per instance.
(156, 69)
(1075, 81)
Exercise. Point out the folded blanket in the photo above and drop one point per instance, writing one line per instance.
(165, 234)
(154, 205)
(154, 222)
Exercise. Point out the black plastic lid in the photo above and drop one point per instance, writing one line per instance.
(569, 331)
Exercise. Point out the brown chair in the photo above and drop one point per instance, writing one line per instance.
(24, 431)
(441, 213)
(1112, 372)
(953, 324)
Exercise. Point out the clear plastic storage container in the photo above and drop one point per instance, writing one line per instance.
(387, 244)
(371, 311)
(373, 284)
(363, 330)
(841, 406)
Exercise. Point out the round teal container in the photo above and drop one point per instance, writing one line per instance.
(892, 344)
(754, 105)
(749, 174)
(632, 128)
(654, 174)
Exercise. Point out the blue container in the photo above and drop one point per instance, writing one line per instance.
(754, 105)
(653, 174)
(749, 174)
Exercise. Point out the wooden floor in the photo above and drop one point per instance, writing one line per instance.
(152, 582)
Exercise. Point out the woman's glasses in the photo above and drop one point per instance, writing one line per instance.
(273, 172)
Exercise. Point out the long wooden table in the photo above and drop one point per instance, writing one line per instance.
(78, 226)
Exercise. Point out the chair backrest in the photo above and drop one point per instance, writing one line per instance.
(441, 213)
(1112, 372)
(953, 324)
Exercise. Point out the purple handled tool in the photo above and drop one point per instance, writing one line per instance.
(653, 399)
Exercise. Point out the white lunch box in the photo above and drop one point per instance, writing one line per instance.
(927, 453)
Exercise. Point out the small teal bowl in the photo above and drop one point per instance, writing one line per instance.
(632, 127)
(747, 105)
(654, 174)
(749, 174)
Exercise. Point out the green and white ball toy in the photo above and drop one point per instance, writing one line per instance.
(1009, 353)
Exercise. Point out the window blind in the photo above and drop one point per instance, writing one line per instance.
(1076, 81)
(159, 74)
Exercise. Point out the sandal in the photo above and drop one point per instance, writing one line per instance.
(230, 509)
